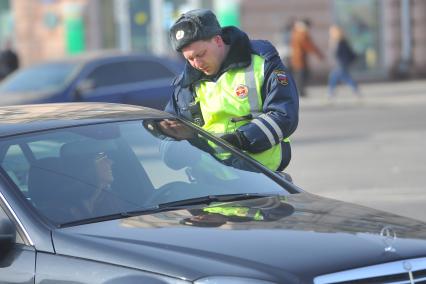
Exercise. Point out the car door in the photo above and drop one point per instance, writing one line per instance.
(17, 260)
(132, 81)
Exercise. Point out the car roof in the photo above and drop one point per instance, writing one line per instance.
(21, 119)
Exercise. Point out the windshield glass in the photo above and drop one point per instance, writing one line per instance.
(42, 77)
(97, 170)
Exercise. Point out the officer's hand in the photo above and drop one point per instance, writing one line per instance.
(236, 139)
(176, 129)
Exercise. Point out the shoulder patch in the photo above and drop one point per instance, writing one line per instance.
(281, 77)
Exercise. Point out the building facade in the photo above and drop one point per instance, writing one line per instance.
(388, 35)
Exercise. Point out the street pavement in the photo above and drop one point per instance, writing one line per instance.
(405, 92)
(369, 150)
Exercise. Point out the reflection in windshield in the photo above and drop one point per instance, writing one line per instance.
(263, 209)
(43, 77)
(98, 170)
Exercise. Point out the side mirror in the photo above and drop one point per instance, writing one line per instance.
(7, 236)
(83, 88)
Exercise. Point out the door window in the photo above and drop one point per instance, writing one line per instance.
(4, 216)
(128, 72)
(16, 165)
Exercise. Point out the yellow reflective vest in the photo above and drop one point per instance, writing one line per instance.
(234, 100)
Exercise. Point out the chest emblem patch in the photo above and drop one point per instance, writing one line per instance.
(241, 91)
(282, 77)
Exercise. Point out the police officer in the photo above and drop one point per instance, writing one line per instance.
(235, 88)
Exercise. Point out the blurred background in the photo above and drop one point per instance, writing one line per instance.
(389, 35)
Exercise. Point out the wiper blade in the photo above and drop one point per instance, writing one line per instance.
(169, 206)
(208, 199)
(92, 220)
(121, 215)
(202, 200)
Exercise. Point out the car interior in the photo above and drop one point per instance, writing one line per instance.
(57, 182)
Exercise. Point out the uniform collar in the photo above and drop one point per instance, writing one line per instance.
(239, 56)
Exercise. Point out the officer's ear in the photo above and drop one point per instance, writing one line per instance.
(217, 39)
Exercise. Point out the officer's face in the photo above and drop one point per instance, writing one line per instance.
(206, 55)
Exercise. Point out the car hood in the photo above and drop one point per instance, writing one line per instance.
(312, 236)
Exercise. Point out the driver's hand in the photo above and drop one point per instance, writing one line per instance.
(176, 129)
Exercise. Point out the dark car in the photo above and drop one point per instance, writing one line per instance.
(110, 193)
(103, 76)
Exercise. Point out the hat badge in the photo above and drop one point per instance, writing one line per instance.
(180, 34)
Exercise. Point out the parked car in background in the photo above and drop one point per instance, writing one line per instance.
(102, 76)
(107, 193)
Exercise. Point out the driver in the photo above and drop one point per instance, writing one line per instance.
(91, 171)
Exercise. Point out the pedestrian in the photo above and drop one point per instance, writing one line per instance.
(235, 88)
(343, 57)
(9, 60)
(302, 45)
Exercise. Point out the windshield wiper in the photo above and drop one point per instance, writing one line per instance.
(169, 206)
(121, 215)
(202, 200)
(208, 199)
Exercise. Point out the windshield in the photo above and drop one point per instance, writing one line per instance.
(91, 171)
(42, 77)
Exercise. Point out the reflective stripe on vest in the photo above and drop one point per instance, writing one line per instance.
(253, 94)
(256, 108)
(233, 101)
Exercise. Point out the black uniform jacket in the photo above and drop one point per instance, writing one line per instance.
(279, 93)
